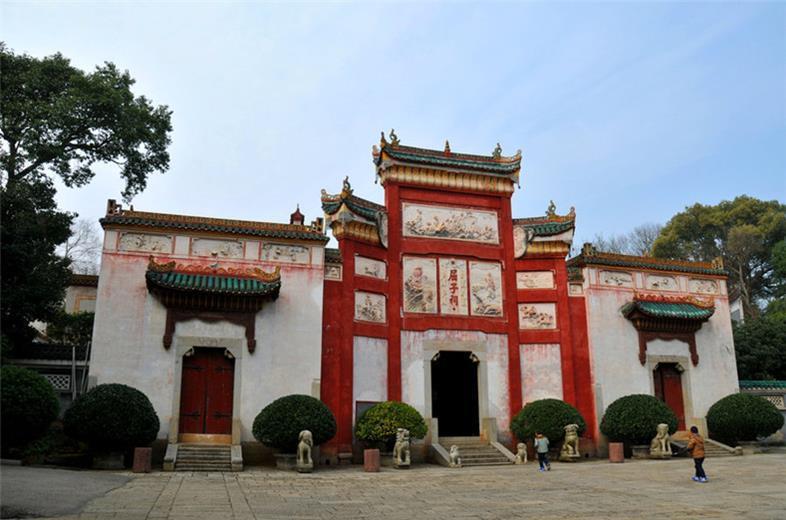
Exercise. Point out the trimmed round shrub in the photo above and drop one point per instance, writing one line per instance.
(547, 416)
(379, 423)
(742, 417)
(112, 417)
(635, 418)
(29, 405)
(279, 424)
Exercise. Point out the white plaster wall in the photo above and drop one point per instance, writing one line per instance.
(541, 372)
(369, 370)
(716, 375)
(417, 350)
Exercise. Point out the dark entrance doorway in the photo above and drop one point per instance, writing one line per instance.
(206, 392)
(668, 388)
(454, 393)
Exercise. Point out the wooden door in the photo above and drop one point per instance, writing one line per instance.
(668, 388)
(206, 392)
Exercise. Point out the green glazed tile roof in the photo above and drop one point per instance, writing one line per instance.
(762, 384)
(545, 228)
(332, 255)
(682, 311)
(591, 256)
(364, 208)
(213, 284)
(503, 166)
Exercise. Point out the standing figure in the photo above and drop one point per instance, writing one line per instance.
(542, 447)
(696, 447)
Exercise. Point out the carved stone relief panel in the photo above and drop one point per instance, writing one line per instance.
(662, 283)
(537, 316)
(616, 278)
(333, 272)
(453, 286)
(485, 280)
(369, 307)
(703, 286)
(420, 220)
(370, 267)
(145, 242)
(535, 280)
(217, 248)
(286, 253)
(420, 285)
(575, 289)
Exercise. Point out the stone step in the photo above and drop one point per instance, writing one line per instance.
(471, 464)
(202, 467)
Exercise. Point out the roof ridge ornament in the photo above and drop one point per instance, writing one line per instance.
(551, 211)
(346, 189)
(394, 141)
(497, 153)
(447, 147)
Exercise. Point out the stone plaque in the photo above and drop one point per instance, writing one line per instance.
(145, 242)
(535, 280)
(662, 283)
(420, 285)
(217, 248)
(369, 307)
(453, 286)
(537, 316)
(286, 253)
(485, 280)
(616, 278)
(448, 223)
(575, 289)
(370, 267)
(333, 272)
(703, 286)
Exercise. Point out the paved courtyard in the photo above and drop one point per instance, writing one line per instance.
(753, 486)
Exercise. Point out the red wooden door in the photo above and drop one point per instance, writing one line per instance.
(206, 392)
(668, 388)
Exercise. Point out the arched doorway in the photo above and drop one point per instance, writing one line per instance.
(667, 379)
(454, 393)
(207, 392)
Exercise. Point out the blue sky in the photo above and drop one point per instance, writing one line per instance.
(629, 112)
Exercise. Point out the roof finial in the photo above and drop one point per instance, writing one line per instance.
(382, 141)
(346, 189)
(393, 138)
(447, 147)
(551, 211)
(497, 154)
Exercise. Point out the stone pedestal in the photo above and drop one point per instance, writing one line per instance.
(565, 457)
(142, 460)
(616, 452)
(371, 461)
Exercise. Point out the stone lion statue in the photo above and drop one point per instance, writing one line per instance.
(304, 445)
(521, 453)
(401, 449)
(455, 458)
(570, 448)
(661, 443)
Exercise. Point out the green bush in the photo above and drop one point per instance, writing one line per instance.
(635, 418)
(742, 417)
(547, 416)
(112, 417)
(379, 423)
(279, 424)
(29, 405)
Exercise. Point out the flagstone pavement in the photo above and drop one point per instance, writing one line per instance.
(752, 486)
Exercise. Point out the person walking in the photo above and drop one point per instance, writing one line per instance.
(696, 447)
(542, 448)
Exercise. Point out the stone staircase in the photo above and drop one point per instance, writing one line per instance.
(475, 452)
(712, 448)
(203, 457)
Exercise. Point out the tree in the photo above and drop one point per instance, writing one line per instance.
(57, 119)
(83, 247)
(760, 345)
(743, 232)
(637, 242)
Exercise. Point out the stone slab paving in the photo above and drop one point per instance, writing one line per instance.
(753, 486)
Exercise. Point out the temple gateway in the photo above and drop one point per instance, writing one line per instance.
(440, 298)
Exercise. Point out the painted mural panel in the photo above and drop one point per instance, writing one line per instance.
(541, 372)
(145, 242)
(286, 253)
(333, 272)
(703, 286)
(217, 248)
(370, 267)
(535, 280)
(662, 283)
(485, 279)
(453, 286)
(420, 285)
(369, 307)
(616, 278)
(537, 316)
(369, 369)
(442, 222)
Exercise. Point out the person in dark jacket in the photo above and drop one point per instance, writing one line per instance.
(696, 447)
